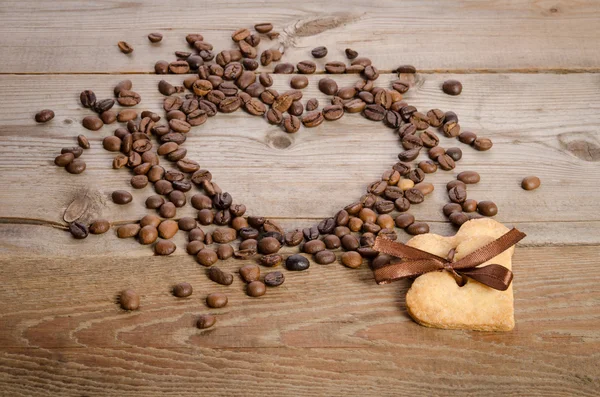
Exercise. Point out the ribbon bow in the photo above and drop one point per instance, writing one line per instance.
(416, 262)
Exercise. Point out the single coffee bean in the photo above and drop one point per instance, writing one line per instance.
(194, 247)
(350, 53)
(207, 257)
(271, 260)
(328, 86)
(341, 231)
(312, 119)
(530, 183)
(167, 229)
(319, 52)
(64, 159)
(78, 230)
(332, 241)
(182, 290)
(147, 234)
(446, 162)
(99, 226)
(424, 187)
(129, 300)
(125, 47)
(206, 321)
(87, 98)
(404, 220)
(407, 129)
(451, 129)
(350, 242)
(451, 207)
(454, 183)
(467, 137)
(482, 144)
(130, 230)
(351, 259)
(468, 177)
(151, 220)
(263, 27)
(108, 117)
(487, 208)
(306, 67)
(43, 116)
(455, 153)
(435, 117)
(297, 262)
(409, 155)
(274, 279)
(224, 252)
(427, 166)
(284, 68)
(155, 37)
(417, 228)
(167, 210)
(121, 197)
(452, 87)
(293, 238)
(250, 273)
(268, 245)
(457, 194)
(313, 246)
(216, 300)
(164, 247)
(196, 234)
(219, 276)
(469, 205)
(374, 112)
(92, 123)
(458, 218)
(414, 196)
(324, 257)
(139, 181)
(256, 289)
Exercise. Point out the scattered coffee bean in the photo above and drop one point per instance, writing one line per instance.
(324, 257)
(83, 142)
(452, 87)
(297, 262)
(76, 166)
(350, 53)
(182, 290)
(250, 273)
(155, 37)
(451, 207)
(530, 183)
(455, 153)
(121, 197)
(482, 144)
(487, 208)
(417, 228)
(219, 276)
(458, 218)
(256, 289)
(206, 321)
(351, 259)
(458, 194)
(468, 177)
(467, 137)
(319, 52)
(125, 47)
(274, 279)
(44, 116)
(469, 205)
(130, 230)
(129, 300)
(78, 230)
(92, 123)
(164, 247)
(216, 300)
(99, 226)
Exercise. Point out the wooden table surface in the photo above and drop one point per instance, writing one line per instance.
(530, 71)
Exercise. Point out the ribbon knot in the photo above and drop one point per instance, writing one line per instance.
(416, 262)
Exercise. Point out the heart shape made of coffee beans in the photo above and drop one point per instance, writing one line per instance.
(226, 83)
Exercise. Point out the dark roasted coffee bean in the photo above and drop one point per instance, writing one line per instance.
(469, 205)
(164, 247)
(374, 112)
(452, 87)
(324, 257)
(139, 181)
(268, 245)
(306, 67)
(78, 230)
(168, 210)
(446, 162)
(222, 201)
(219, 276)
(64, 159)
(417, 175)
(429, 139)
(256, 289)
(296, 109)
(384, 206)
(427, 166)
(161, 67)
(208, 257)
(328, 86)
(263, 27)
(274, 279)
(87, 98)
(155, 37)
(467, 137)
(370, 72)
(249, 273)
(125, 47)
(240, 34)
(404, 220)
(313, 246)
(92, 123)
(299, 82)
(206, 321)
(312, 104)
(99, 226)
(530, 183)
(297, 262)
(326, 226)
(319, 52)
(409, 155)
(291, 124)
(310, 233)
(458, 194)
(196, 234)
(354, 106)
(406, 129)
(435, 152)
(129, 300)
(414, 196)
(284, 68)
(411, 142)
(333, 112)
(458, 218)
(350, 53)
(121, 197)
(417, 228)
(451, 207)
(482, 144)
(392, 119)
(435, 117)
(182, 290)
(487, 208)
(451, 129)
(450, 117)
(455, 153)
(312, 119)
(454, 183)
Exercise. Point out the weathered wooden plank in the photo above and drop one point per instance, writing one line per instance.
(81, 36)
(316, 171)
(62, 332)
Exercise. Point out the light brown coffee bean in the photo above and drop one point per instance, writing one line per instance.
(216, 300)
(129, 300)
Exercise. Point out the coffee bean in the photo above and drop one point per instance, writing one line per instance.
(455, 153)
(224, 252)
(406, 129)
(299, 82)
(370, 72)
(256, 289)
(457, 194)
(194, 247)
(207, 257)
(451, 129)
(414, 196)
(446, 162)
(313, 246)
(268, 245)
(87, 98)
(530, 183)
(206, 321)
(64, 159)
(469, 205)
(417, 228)
(435, 117)
(425, 187)
(411, 142)
(350, 242)
(130, 230)
(409, 155)
(167, 229)
(482, 144)
(452, 87)
(427, 166)
(155, 37)
(219, 276)
(161, 67)
(274, 279)
(78, 230)
(468, 177)
(168, 210)
(164, 247)
(129, 98)
(328, 86)
(312, 119)
(324, 257)
(139, 181)
(467, 137)
(454, 183)
(250, 273)
(374, 112)
(351, 259)
(350, 53)
(147, 234)
(112, 143)
(125, 47)
(406, 69)
(92, 123)
(99, 226)
(487, 208)
(129, 300)
(319, 52)
(121, 197)
(297, 262)
(196, 234)
(284, 68)
(263, 27)
(451, 207)
(458, 218)
(404, 220)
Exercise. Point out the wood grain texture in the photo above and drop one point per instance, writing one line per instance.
(81, 36)
(327, 331)
(534, 130)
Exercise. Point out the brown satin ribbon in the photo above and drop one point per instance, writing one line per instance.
(416, 262)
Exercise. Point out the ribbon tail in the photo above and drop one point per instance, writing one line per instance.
(494, 276)
(406, 269)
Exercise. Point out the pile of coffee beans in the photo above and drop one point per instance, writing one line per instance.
(225, 82)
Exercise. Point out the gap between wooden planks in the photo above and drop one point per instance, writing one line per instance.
(82, 36)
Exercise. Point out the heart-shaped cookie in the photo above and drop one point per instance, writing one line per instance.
(436, 300)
